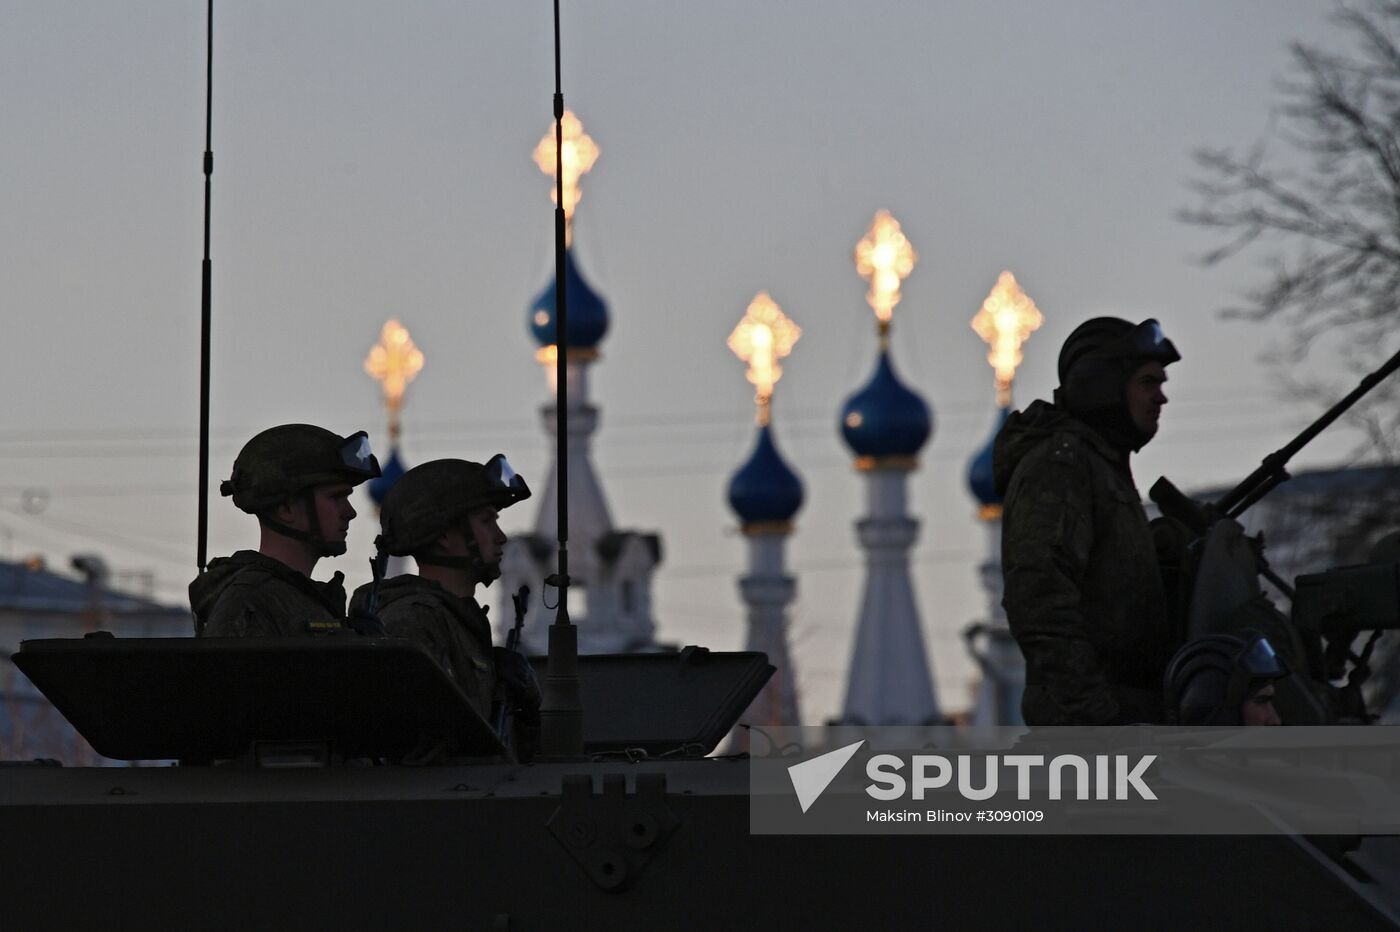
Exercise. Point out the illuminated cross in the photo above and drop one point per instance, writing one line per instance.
(580, 153)
(1006, 319)
(393, 362)
(763, 336)
(884, 258)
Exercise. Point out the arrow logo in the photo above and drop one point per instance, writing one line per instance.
(811, 777)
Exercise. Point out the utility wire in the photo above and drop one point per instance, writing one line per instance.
(145, 546)
(59, 450)
(614, 422)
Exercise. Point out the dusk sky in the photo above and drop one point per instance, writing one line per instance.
(372, 160)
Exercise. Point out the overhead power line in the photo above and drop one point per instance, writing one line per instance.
(97, 438)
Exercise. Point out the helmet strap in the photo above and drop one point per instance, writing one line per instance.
(313, 534)
(484, 573)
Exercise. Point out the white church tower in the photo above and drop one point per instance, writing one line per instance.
(610, 569)
(765, 494)
(885, 425)
(393, 362)
(1005, 320)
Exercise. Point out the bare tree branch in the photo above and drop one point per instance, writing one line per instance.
(1323, 221)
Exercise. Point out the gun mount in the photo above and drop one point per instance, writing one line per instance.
(1337, 605)
(1220, 591)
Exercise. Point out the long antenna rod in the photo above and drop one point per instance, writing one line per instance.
(205, 297)
(561, 713)
(561, 337)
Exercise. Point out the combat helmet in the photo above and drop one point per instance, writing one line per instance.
(1100, 353)
(435, 497)
(285, 460)
(1208, 679)
(290, 460)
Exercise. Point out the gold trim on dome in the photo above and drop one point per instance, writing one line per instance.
(549, 354)
(867, 463)
(761, 528)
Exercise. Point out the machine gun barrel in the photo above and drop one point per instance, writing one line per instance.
(1271, 471)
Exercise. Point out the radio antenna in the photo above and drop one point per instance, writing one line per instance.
(205, 297)
(561, 713)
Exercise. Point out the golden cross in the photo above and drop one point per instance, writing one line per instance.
(393, 362)
(579, 154)
(1006, 319)
(884, 258)
(763, 336)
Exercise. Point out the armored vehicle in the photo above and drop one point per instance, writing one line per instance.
(294, 800)
(347, 783)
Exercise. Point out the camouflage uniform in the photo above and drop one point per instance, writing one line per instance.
(1083, 594)
(454, 630)
(252, 595)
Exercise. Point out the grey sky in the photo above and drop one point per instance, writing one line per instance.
(373, 160)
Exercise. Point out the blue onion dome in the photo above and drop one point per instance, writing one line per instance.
(885, 419)
(765, 489)
(979, 468)
(388, 475)
(588, 313)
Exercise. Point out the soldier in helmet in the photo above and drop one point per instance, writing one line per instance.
(296, 479)
(1083, 592)
(444, 514)
(1221, 679)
